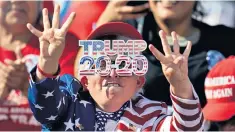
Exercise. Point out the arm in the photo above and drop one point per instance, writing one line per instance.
(47, 93)
(187, 115)
(47, 99)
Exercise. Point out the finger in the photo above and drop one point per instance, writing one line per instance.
(14, 82)
(157, 54)
(14, 66)
(165, 45)
(33, 30)
(176, 44)
(121, 2)
(3, 67)
(68, 22)
(56, 17)
(46, 22)
(188, 49)
(179, 60)
(18, 53)
(133, 16)
(133, 9)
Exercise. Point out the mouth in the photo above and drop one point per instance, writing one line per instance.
(18, 10)
(112, 84)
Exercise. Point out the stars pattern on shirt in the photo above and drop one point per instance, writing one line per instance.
(51, 118)
(58, 107)
(84, 103)
(69, 125)
(75, 96)
(48, 94)
(38, 106)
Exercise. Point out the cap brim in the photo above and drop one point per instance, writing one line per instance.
(219, 111)
(115, 28)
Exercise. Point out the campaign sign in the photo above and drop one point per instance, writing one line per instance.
(99, 57)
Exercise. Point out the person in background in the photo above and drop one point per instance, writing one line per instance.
(210, 44)
(19, 50)
(220, 93)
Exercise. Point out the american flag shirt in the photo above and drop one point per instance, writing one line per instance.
(60, 104)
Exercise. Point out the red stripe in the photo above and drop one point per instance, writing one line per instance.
(143, 119)
(184, 105)
(188, 118)
(172, 128)
(184, 128)
(141, 110)
(160, 124)
(123, 127)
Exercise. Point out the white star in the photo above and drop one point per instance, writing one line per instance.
(77, 124)
(75, 96)
(48, 94)
(84, 103)
(63, 101)
(69, 125)
(58, 107)
(51, 118)
(38, 106)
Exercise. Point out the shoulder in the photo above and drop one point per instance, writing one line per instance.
(70, 84)
(214, 30)
(143, 104)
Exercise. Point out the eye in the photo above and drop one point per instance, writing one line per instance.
(122, 65)
(103, 65)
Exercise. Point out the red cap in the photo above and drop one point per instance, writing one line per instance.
(115, 28)
(220, 91)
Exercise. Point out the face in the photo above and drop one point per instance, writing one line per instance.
(169, 10)
(17, 13)
(113, 89)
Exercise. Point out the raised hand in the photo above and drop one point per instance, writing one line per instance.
(52, 39)
(174, 65)
(118, 10)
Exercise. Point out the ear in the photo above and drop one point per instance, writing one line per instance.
(84, 82)
(140, 82)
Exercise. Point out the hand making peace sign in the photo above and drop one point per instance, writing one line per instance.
(52, 39)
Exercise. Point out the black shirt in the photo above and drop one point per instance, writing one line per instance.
(219, 38)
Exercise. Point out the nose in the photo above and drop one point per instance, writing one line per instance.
(113, 73)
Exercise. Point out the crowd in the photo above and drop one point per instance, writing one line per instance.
(209, 85)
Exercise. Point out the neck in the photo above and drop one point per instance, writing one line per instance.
(182, 28)
(8, 38)
(112, 107)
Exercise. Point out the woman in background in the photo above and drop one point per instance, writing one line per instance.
(19, 50)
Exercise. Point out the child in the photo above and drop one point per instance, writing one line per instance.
(61, 103)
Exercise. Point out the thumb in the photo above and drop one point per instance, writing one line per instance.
(18, 53)
(19, 56)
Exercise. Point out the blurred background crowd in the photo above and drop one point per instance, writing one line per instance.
(209, 25)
